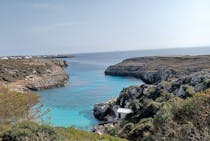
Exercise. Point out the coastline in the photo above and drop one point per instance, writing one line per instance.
(190, 76)
(155, 69)
(24, 74)
(169, 80)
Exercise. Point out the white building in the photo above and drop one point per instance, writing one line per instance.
(122, 112)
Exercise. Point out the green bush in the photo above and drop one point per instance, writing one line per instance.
(195, 109)
(165, 96)
(30, 131)
(113, 131)
(143, 129)
(163, 114)
(189, 90)
(127, 128)
(187, 119)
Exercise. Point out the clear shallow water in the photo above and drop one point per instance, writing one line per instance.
(72, 105)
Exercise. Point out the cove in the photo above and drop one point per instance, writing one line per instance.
(72, 105)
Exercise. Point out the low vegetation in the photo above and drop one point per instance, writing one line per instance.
(188, 119)
(16, 106)
(71, 134)
(177, 119)
(17, 114)
(31, 131)
(12, 70)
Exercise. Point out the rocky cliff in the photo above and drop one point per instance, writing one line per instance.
(173, 105)
(155, 69)
(34, 74)
(145, 94)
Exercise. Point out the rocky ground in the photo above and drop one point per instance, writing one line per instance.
(33, 74)
(173, 105)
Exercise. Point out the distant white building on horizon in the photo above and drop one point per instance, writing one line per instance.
(4, 58)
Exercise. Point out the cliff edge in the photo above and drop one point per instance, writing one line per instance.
(173, 105)
(33, 74)
(157, 68)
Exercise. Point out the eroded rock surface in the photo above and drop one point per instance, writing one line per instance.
(155, 69)
(34, 74)
(146, 97)
(170, 82)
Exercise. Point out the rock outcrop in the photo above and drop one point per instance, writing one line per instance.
(170, 82)
(34, 73)
(143, 97)
(146, 101)
(155, 69)
(105, 111)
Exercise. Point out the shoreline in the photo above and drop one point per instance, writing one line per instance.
(176, 77)
(154, 69)
(167, 78)
(33, 73)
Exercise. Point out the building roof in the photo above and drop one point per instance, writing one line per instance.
(124, 110)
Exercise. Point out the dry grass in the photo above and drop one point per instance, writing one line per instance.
(15, 106)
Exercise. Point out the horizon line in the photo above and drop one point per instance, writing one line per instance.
(114, 51)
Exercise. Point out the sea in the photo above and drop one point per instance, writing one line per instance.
(72, 105)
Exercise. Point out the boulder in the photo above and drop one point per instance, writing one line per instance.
(105, 111)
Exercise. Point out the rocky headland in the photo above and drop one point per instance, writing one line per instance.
(157, 68)
(173, 105)
(32, 73)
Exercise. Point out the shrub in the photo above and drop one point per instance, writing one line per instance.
(189, 90)
(16, 106)
(113, 131)
(30, 131)
(126, 129)
(71, 134)
(163, 114)
(142, 129)
(189, 119)
(165, 96)
(195, 109)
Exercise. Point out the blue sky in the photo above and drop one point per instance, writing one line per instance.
(72, 26)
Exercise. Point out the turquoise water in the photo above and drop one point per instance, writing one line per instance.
(72, 105)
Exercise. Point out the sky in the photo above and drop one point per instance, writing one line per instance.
(78, 26)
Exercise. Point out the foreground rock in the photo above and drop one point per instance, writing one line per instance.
(154, 69)
(34, 74)
(148, 103)
(105, 111)
(143, 97)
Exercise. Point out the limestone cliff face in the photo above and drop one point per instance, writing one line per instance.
(180, 76)
(155, 69)
(146, 102)
(143, 96)
(34, 74)
(54, 76)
